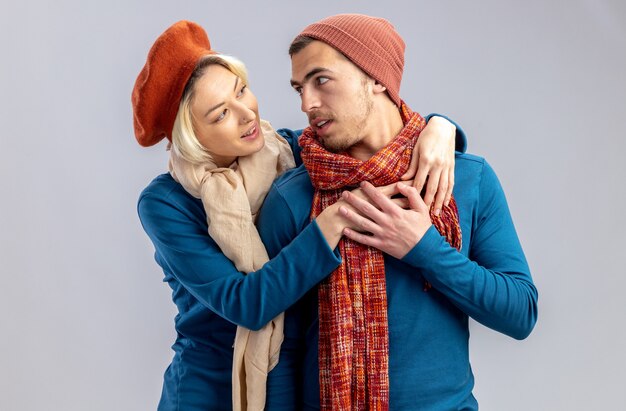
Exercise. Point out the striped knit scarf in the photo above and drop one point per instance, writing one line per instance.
(353, 332)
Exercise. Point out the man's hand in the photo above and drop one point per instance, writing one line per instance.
(433, 158)
(332, 221)
(387, 225)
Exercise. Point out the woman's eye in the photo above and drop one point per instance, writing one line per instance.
(221, 116)
(243, 90)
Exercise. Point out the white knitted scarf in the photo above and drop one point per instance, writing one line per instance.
(232, 198)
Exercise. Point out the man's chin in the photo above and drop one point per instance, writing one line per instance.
(334, 149)
(333, 145)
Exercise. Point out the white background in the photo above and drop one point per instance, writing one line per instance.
(538, 86)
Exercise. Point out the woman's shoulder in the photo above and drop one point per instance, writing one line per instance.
(164, 192)
(161, 186)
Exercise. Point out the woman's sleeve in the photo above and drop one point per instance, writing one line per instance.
(292, 137)
(278, 228)
(186, 251)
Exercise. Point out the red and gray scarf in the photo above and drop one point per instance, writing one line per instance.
(353, 332)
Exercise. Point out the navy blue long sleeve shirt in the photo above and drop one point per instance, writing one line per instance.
(429, 369)
(212, 297)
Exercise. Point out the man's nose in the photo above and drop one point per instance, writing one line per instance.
(309, 100)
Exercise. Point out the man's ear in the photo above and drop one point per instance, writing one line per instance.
(378, 88)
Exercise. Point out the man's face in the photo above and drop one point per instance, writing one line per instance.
(336, 95)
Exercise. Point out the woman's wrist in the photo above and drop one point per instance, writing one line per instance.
(331, 224)
(443, 123)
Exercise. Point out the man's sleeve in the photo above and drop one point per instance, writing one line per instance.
(493, 285)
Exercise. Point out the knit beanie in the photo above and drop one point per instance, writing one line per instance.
(371, 43)
(160, 84)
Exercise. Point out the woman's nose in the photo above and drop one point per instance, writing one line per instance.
(247, 114)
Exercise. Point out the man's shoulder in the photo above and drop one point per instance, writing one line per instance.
(475, 178)
(469, 160)
(471, 164)
(468, 168)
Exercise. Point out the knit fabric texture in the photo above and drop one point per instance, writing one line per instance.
(159, 87)
(371, 43)
(353, 328)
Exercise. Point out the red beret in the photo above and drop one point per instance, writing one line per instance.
(160, 84)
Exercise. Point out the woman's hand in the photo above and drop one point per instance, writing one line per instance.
(433, 159)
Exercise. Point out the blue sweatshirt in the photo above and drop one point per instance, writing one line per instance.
(212, 297)
(429, 367)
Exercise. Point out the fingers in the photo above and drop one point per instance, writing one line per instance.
(378, 199)
(394, 233)
(413, 196)
(358, 222)
(358, 198)
(388, 191)
(412, 166)
(450, 185)
(362, 238)
(420, 177)
(364, 207)
(431, 187)
(450, 162)
(442, 191)
(402, 203)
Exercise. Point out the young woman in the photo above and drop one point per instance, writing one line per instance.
(200, 218)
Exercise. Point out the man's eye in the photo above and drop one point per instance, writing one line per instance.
(243, 90)
(298, 90)
(322, 80)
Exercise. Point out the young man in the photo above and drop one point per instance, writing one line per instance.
(389, 328)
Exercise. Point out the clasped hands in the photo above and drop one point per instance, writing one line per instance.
(375, 217)
(396, 225)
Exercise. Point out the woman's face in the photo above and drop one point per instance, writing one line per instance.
(225, 116)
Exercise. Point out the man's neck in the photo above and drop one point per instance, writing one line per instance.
(384, 123)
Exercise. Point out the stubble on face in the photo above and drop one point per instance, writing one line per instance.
(354, 122)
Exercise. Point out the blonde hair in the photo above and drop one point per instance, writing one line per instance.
(184, 140)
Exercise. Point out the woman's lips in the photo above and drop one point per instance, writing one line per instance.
(252, 133)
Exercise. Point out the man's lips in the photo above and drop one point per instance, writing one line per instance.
(320, 124)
